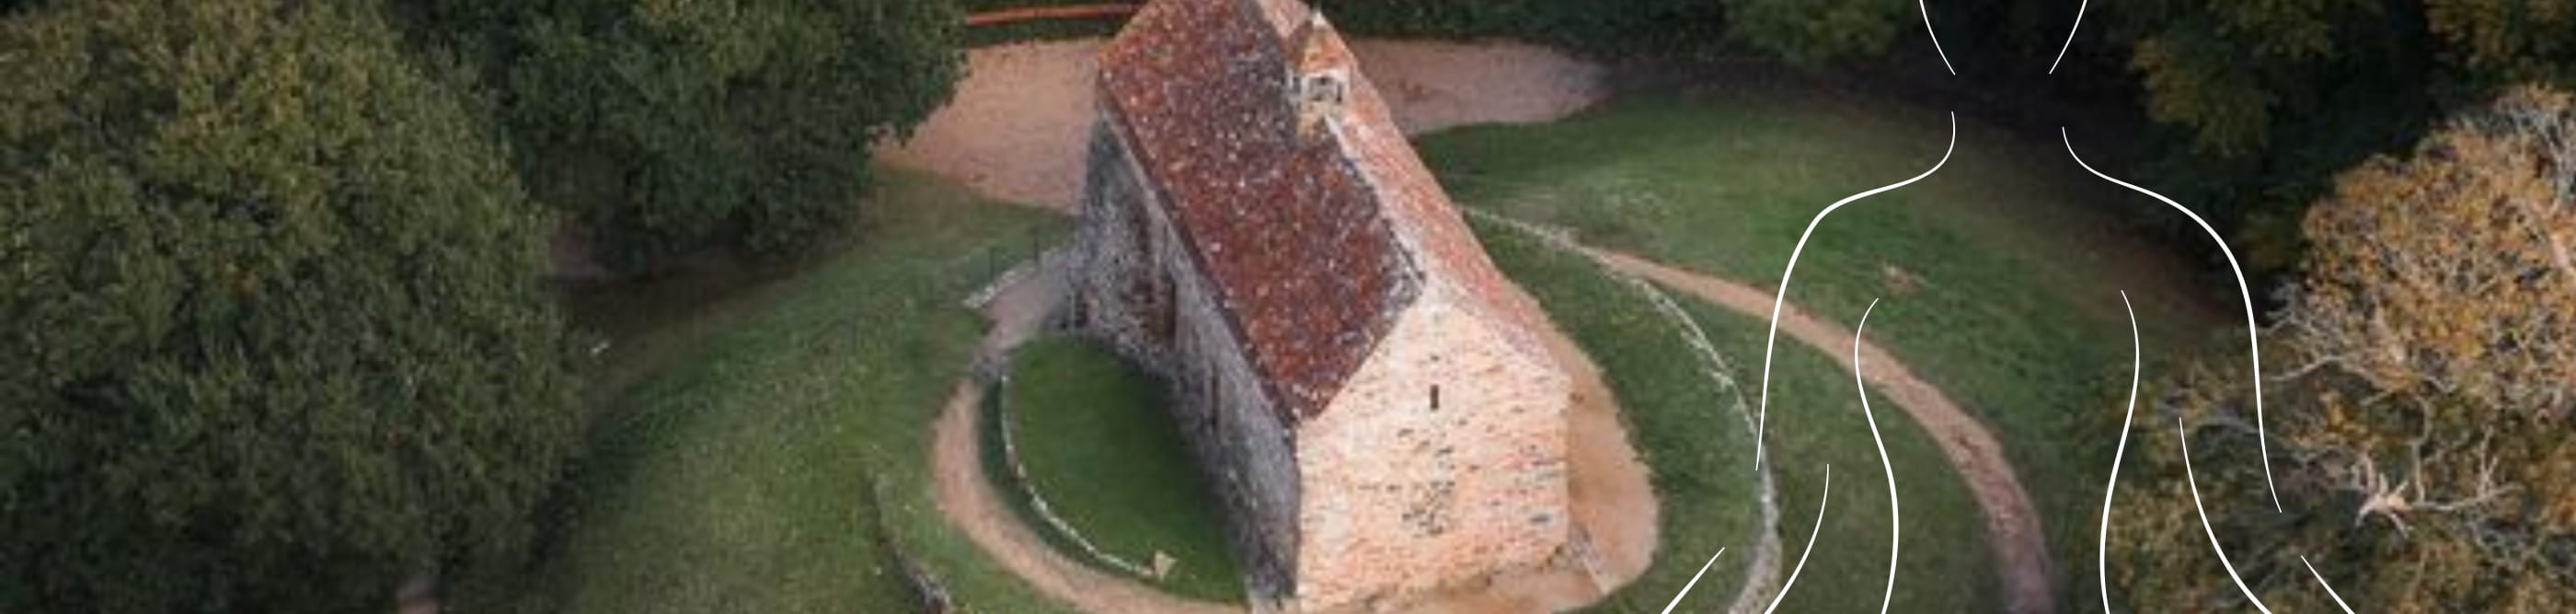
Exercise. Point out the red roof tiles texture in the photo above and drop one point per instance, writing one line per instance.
(1442, 245)
(1290, 234)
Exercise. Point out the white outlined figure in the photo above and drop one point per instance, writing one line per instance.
(1936, 37)
(1828, 497)
(1895, 518)
(1781, 296)
(1694, 581)
(2253, 343)
(2137, 364)
(2194, 481)
(2321, 581)
(2070, 44)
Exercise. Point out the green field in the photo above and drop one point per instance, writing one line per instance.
(775, 461)
(766, 451)
(1097, 437)
(2000, 273)
(1686, 426)
(1700, 454)
(1944, 565)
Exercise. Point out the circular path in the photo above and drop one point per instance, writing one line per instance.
(2012, 524)
(1016, 131)
(968, 498)
(1613, 504)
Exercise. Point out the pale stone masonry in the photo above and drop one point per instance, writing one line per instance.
(1372, 396)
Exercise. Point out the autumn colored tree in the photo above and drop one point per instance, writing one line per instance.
(273, 337)
(2454, 273)
(2421, 436)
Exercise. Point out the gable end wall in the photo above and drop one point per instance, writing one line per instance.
(1402, 497)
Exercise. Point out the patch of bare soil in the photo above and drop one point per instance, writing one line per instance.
(2012, 527)
(1017, 126)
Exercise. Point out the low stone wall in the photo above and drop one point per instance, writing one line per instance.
(1038, 501)
(1136, 290)
(1762, 576)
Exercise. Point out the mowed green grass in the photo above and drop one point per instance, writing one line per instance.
(2000, 273)
(1688, 427)
(1944, 563)
(779, 463)
(1098, 439)
(776, 459)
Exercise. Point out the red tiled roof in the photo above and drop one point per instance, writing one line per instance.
(1443, 246)
(1290, 234)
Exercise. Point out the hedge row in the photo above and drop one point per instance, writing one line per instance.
(1604, 27)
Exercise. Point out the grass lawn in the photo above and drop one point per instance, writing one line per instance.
(771, 455)
(1944, 564)
(1685, 425)
(2000, 272)
(777, 464)
(1695, 443)
(1098, 439)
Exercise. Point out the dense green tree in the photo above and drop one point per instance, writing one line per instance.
(669, 127)
(273, 337)
(2421, 434)
(1814, 31)
(2268, 100)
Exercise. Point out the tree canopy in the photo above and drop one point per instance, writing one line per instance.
(669, 127)
(1812, 31)
(2266, 101)
(274, 338)
(2421, 434)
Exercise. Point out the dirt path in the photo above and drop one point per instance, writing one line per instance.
(968, 499)
(967, 496)
(2012, 525)
(1016, 128)
(1016, 131)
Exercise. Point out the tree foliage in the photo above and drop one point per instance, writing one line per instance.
(273, 339)
(1809, 31)
(668, 127)
(2267, 101)
(2454, 272)
(2422, 438)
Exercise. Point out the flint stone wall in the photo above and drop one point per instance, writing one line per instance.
(1137, 291)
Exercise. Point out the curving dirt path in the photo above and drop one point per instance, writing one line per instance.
(1017, 126)
(969, 500)
(1618, 512)
(1016, 130)
(2012, 524)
